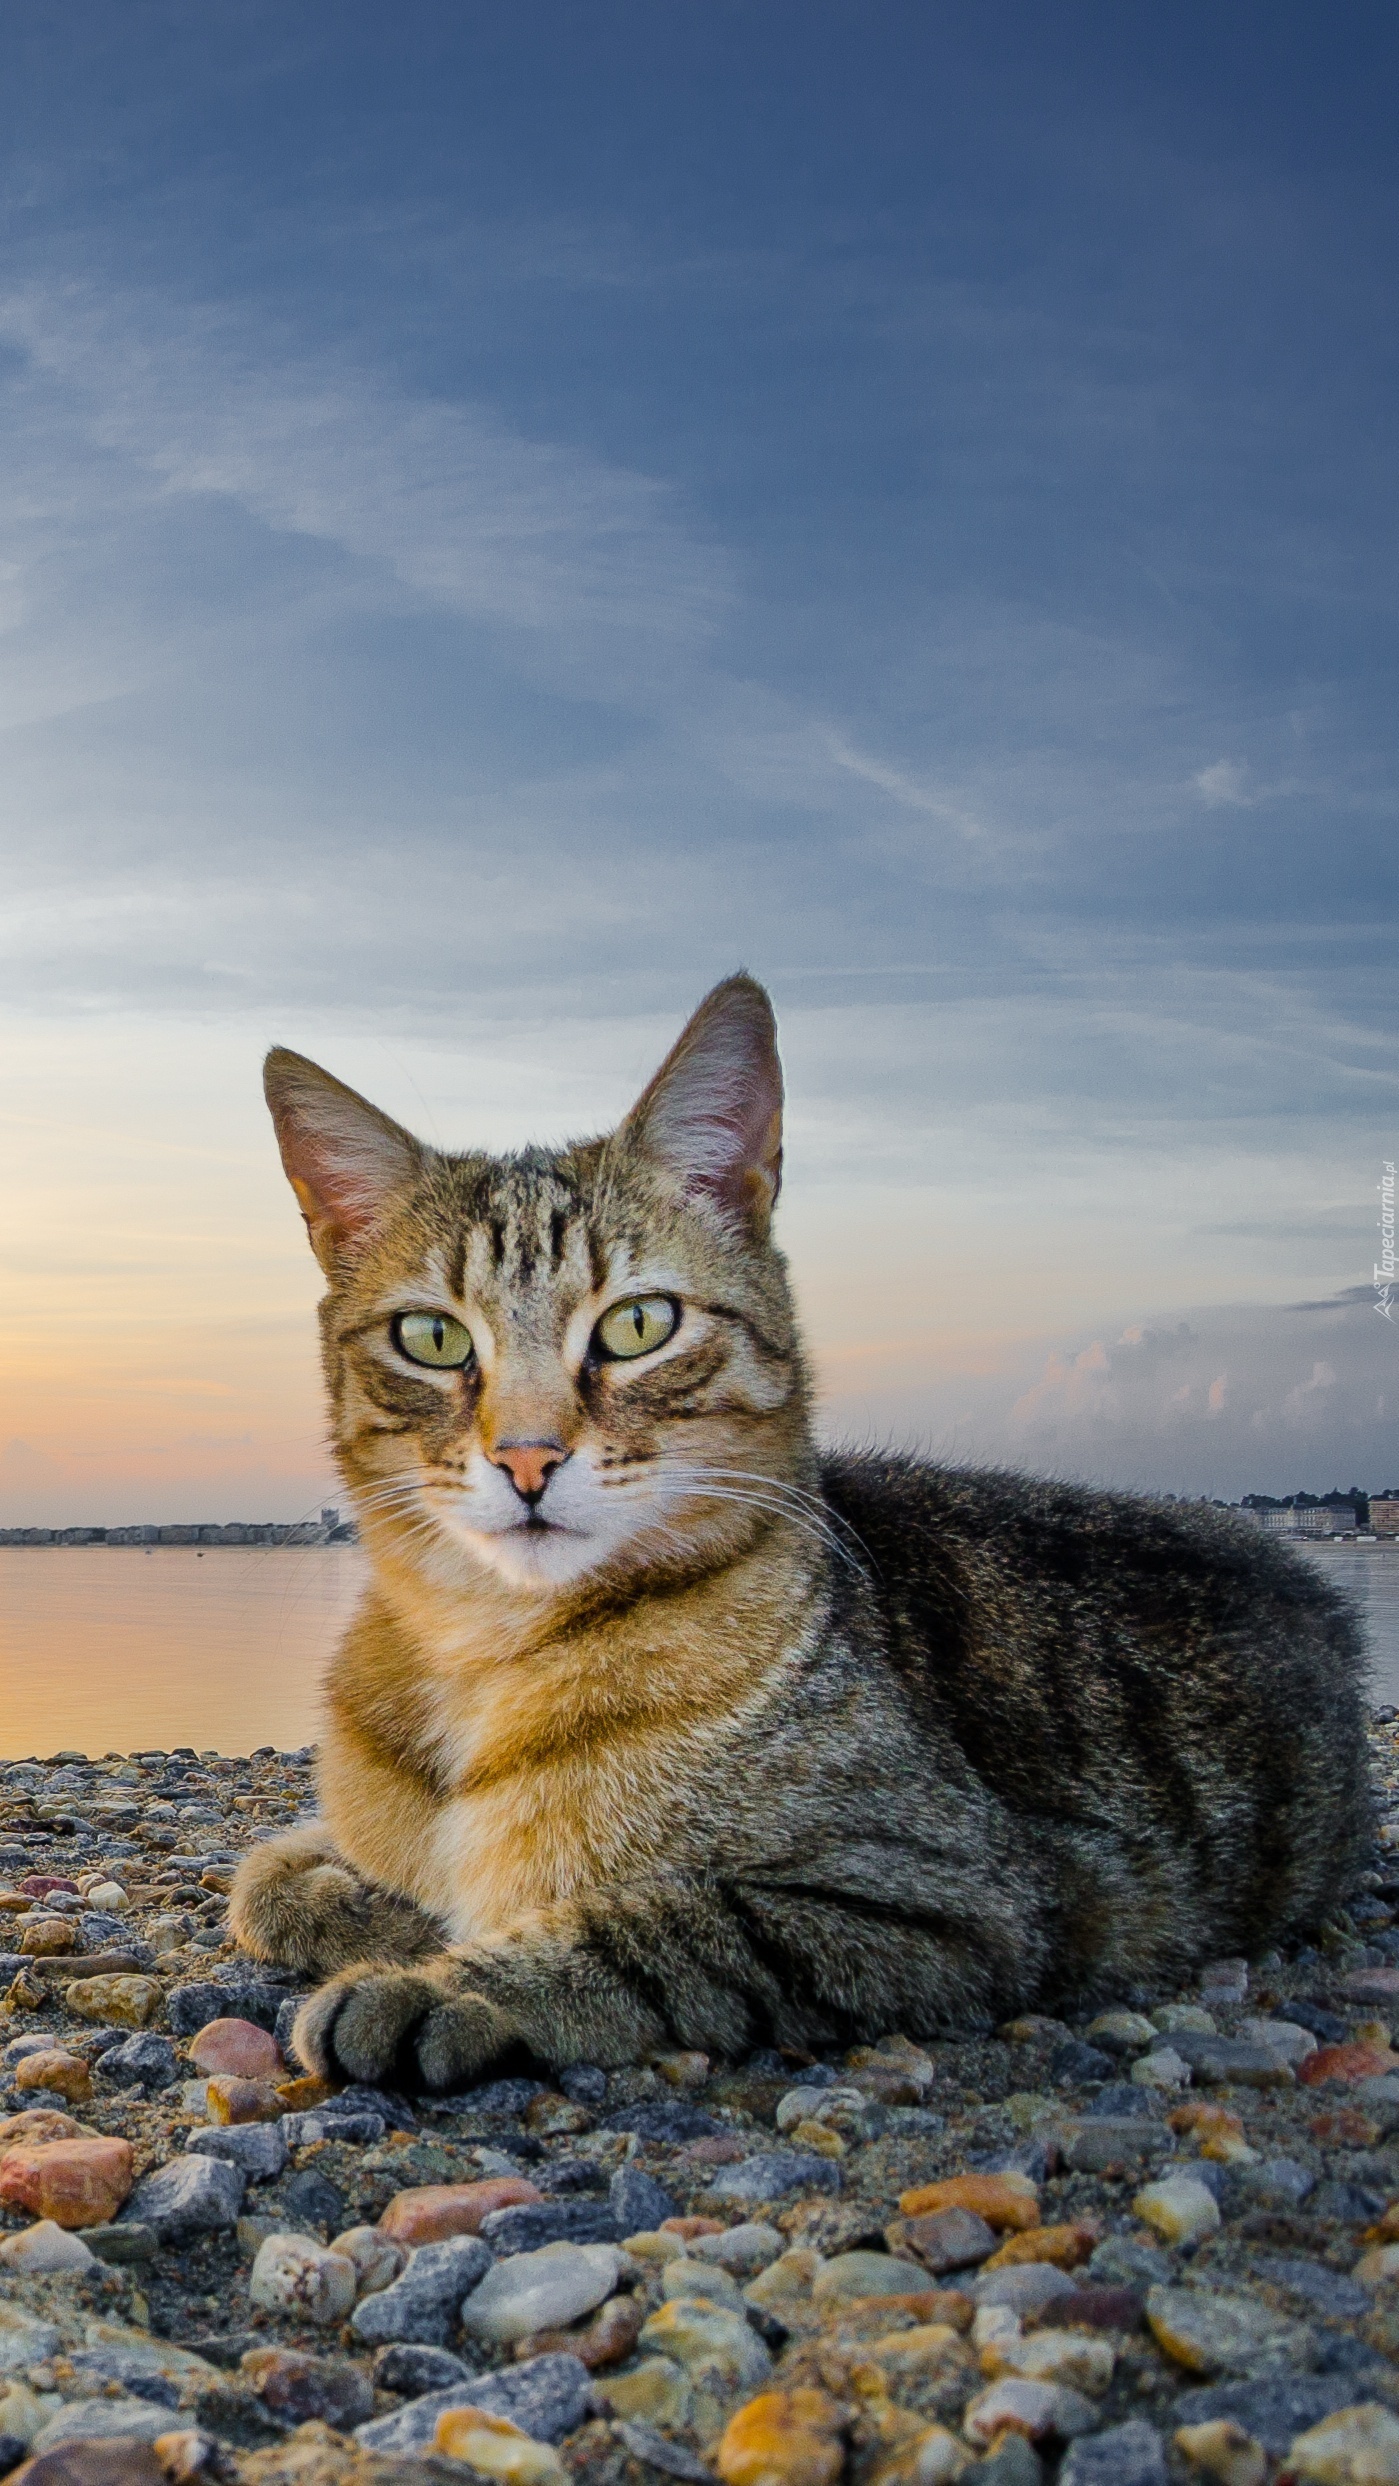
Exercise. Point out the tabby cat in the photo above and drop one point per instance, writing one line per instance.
(658, 1727)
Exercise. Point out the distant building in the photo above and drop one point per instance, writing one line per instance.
(1314, 1519)
(1384, 1513)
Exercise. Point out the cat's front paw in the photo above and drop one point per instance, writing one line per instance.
(296, 1900)
(417, 2028)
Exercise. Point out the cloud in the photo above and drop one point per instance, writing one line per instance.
(1322, 1378)
(442, 497)
(1075, 1388)
(1225, 785)
(1236, 1399)
(904, 790)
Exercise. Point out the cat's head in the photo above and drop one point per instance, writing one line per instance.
(567, 1365)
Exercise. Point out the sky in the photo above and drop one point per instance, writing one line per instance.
(506, 515)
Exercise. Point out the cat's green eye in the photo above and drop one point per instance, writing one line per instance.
(433, 1338)
(636, 1327)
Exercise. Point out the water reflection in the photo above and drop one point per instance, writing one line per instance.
(1369, 1574)
(109, 1649)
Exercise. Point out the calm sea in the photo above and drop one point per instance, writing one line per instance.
(113, 1650)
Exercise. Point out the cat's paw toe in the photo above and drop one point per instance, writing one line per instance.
(375, 2024)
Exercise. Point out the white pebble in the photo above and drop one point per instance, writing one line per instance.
(1163, 2068)
(1282, 2037)
(377, 2259)
(1180, 2208)
(297, 2276)
(46, 2247)
(743, 2250)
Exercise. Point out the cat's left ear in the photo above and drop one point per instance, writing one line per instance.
(713, 1112)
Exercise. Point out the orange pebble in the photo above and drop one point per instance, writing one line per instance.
(80, 2183)
(238, 2046)
(1347, 2063)
(67, 2073)
(1345, 2128)
(232, 2100)
(1199, 2116)
(1002, 2200)
(1065, 2247)
(299, 2096)
(38, 2123)
(783, 2438)
(427, 2213)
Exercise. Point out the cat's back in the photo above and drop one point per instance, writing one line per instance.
(1072, 1643)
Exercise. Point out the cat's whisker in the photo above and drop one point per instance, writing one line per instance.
(775, 1506)
(814, 1501)
(802, 1508)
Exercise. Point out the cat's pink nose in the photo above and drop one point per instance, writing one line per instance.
(529, 1465)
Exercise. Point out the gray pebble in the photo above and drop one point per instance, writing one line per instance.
(122, 2245)
(1123, 2098)
(497, 2097)
(1073, 2063)
(192, 2007)
(557, 2176)
(1225, 2059)
(99, 2365)
(1129, 2455)
(1348, 2202)
(100, 1930)
(86, 2421)
(638, 2202)
(1014, 2462)
(546, 2397)
(260, 2149)
(775, 2172)
(328, 2123)
(662, 2119)
(422, 2305)
(1026, 2289)
(1272, 2411)
(189, 2196)
(532, 2224)
(953, 2240)
(1121, 2261)
(24, 2339)
(361, 2099)
(1324, 2291)
(1279, 2183)
(656, 2450)
(146, 2058)
(314, 2201)
(411, 2369)
(1112, 2140)
(584, 2084)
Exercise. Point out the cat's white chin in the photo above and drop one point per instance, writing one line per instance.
(535, 1557)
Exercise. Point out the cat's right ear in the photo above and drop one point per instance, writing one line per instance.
(343, 1158)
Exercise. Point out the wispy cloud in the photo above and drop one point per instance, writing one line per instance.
(1228, 785)
(445, 498)
(903, 789)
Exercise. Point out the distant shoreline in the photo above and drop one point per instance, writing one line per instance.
(328, 1530)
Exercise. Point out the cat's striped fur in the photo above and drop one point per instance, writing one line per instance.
(747, 1746)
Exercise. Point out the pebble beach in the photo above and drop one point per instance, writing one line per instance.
(1153, 2238)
